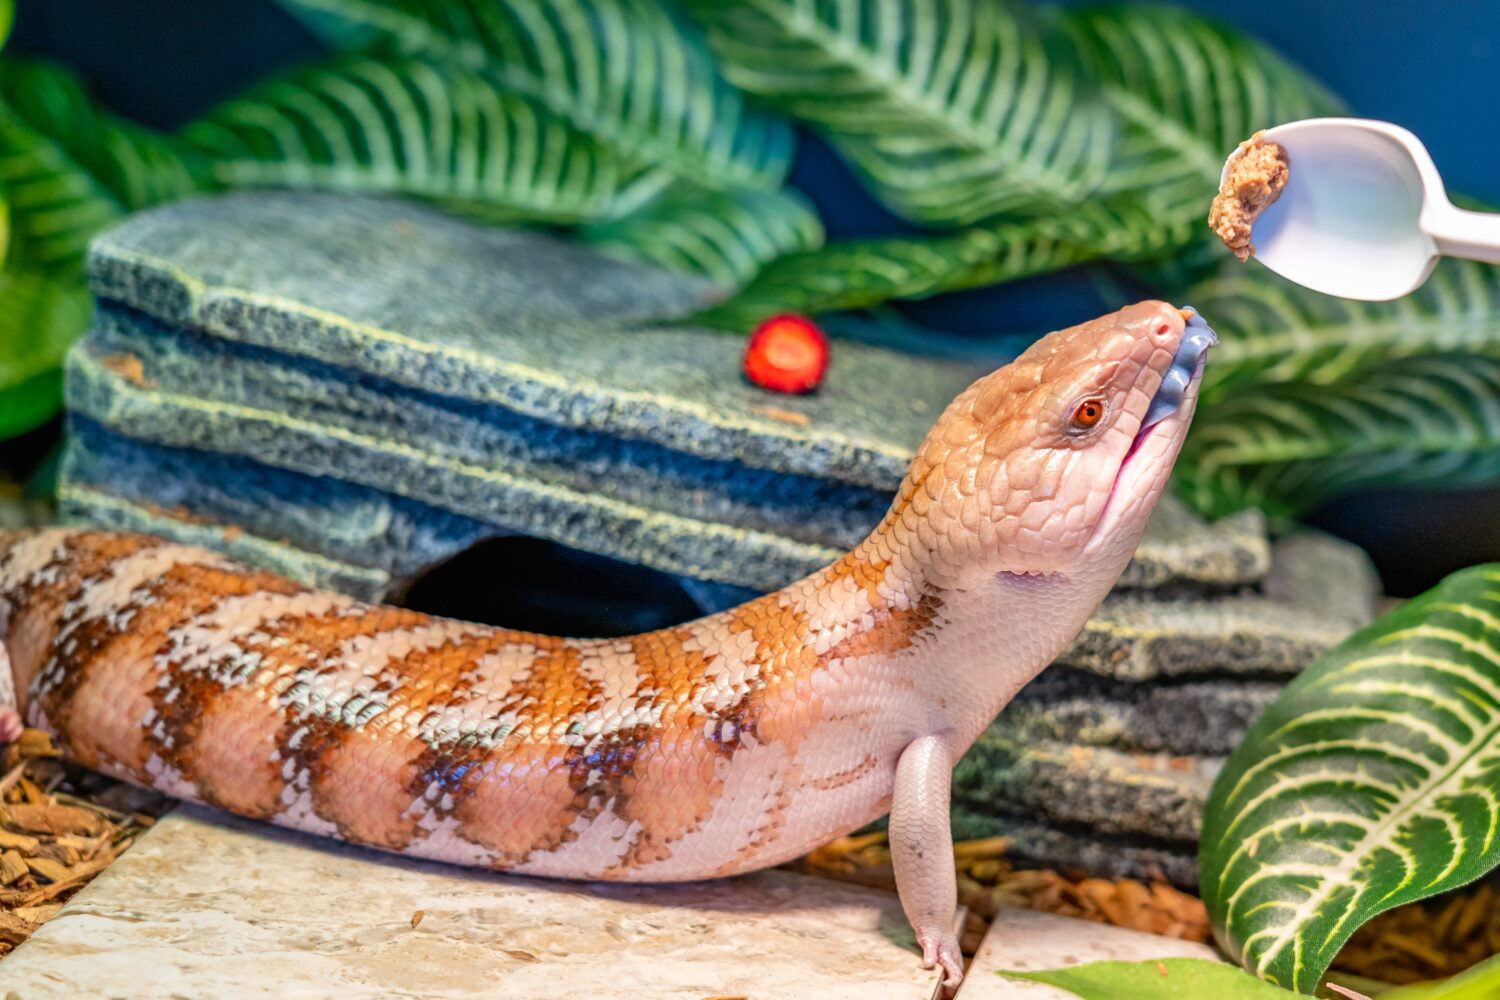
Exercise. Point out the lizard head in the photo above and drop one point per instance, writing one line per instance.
(1053, 463)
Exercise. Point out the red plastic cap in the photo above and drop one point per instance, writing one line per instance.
(787, 354)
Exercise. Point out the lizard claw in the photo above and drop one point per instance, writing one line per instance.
(941, 949)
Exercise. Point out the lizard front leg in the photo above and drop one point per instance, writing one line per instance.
(922, 853)
(10, 718)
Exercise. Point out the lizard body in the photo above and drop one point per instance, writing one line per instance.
(727, 744)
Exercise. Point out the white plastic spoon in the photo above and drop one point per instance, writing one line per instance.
(1364, 214)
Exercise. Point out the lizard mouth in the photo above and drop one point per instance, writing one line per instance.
(1142, 474)
(1197, 338)
(1187, 366)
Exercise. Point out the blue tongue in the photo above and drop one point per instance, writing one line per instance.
(1196, 340)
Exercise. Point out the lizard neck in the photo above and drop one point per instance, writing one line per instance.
(953, 655)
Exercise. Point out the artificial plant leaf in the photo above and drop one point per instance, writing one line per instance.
(336, 31)
(4, 225)
(1157, 979)
(725, 236)
(1185, 90)
(625, 72)
(856, 274)
(1431, 421)
(70, 168)
(1372, 781)
(1482, 982)
(408, 126)
(40, 315)
(1274, 331)
(954, 110)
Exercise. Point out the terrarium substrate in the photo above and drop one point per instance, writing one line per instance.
(353, 392)
(61, 826)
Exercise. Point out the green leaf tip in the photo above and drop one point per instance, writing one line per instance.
(1482, 982)
(1157, 979)
(42, 315)
(1372, 781)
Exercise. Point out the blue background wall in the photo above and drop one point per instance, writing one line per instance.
(1431, 66)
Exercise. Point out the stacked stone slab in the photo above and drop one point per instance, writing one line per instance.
(351, 391)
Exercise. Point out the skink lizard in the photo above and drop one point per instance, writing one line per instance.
(731, 743)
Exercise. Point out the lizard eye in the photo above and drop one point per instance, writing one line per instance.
(1088, 413)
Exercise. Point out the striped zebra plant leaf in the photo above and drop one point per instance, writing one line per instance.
(1274, 331)
(1185, 90)
(1431, 421)
(954, 110)
(410, 126)
(857, 274)
(1372, 781)
(724, 236)
(70, 169)
(627, 73)
(40, 315)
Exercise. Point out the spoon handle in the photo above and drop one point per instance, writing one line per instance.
(1461, 233)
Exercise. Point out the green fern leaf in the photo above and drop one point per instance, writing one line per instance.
(40, 316)
(1431, 421)
(857, 274)
(725, 236)
(1274, 331)
(70, 169)
(955, 110)
(407, 126)
(625, 72)
(1185, 90)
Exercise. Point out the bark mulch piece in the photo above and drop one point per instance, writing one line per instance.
(1433, 939)
(987, 882)
(60, 825)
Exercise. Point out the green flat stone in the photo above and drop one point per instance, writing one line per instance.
(1196, 715)
(1076, 849)
(507, 378)
(1181, 549)
(1327, 590)
(1157, 795)
(517, 319)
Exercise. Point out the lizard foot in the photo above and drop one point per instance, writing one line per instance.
(941, 949)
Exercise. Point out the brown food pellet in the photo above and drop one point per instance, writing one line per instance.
(1253, 182)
